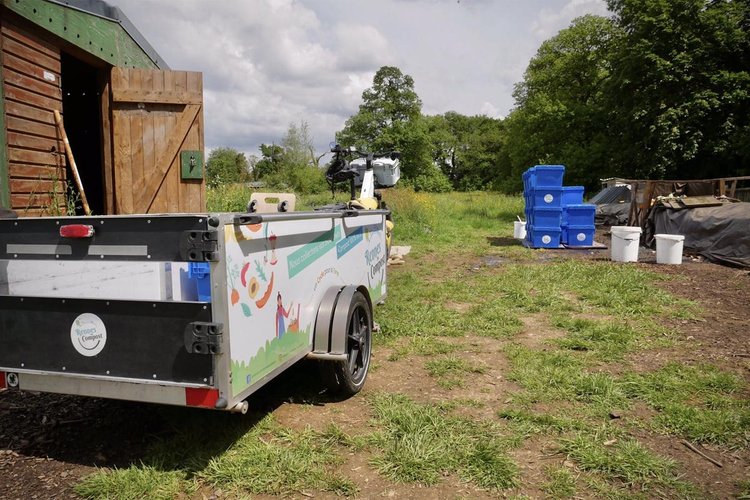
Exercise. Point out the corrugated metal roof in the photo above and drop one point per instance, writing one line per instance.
(611, 194)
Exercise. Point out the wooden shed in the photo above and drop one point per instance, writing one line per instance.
(135, 127)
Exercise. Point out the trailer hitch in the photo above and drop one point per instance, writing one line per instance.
(204, 338)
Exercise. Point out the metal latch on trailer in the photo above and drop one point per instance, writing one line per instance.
(199, 246)
(204, 337)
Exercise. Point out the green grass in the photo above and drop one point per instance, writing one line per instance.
(422, 443)
(274, 460)
(700, 403)
(560, 482)
(265, 459)
(744, 490)
(135, 483)
(625, 460)
(450, 371)
(455, 403)
(433, 222)
(495, 302)
(548, 376)
(530, 423)
(605, 340)
(422, 346)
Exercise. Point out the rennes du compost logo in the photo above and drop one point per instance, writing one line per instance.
(88, 334)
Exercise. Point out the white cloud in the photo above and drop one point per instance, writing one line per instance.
(361, 48)
(489, 109)
(550, 21)
(269, 63)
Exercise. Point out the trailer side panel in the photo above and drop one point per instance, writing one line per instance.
(277, 274)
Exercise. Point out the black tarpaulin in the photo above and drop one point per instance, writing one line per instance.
(721, 234)
(612, 214)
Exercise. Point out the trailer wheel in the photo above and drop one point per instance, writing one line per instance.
(348, 377)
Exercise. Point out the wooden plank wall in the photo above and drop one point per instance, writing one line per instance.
(155, 115)
(36, 162)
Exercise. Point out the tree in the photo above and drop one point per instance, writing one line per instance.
(226, 166)
(680, 89)
(270, 161)
(389, 102)
(292, 165)
(389, 119)
(468, 149)
(560, 115)
(298, 145)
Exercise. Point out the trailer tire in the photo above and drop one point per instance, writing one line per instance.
(347, 378)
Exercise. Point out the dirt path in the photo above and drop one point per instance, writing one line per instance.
(49, 442)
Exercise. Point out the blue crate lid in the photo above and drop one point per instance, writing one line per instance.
(580, 206)
(549, 168)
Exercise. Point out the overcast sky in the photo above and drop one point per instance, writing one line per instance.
(268, 63)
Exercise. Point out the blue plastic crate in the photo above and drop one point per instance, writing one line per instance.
(546, 216)
(572, 195)
(546, 196)
(546, 175)
(200, 273)
(578, 215)
(544, 237)
(581, 236)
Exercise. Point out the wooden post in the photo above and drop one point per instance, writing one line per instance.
(71, 160)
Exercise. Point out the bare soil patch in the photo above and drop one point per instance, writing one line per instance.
(537, 331)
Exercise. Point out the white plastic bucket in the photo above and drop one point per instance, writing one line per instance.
(625, 243)
(669, 248)
(519, 230)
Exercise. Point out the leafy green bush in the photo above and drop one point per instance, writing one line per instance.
(432, 181)
(298, 179)
(228, 198)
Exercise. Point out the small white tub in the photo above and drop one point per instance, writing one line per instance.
(519, 230)
(625, 243)
(669, 248)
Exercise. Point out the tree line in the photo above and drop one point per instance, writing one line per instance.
(661, 89)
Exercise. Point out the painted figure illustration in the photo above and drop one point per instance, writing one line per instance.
(281, 314)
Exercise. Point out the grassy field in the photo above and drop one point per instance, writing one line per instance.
(498, 371)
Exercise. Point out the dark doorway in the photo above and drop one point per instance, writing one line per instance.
(82, 117)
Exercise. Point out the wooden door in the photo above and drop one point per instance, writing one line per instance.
(156, 116)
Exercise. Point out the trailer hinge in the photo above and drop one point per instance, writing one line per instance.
(199, 246)
(204, 338)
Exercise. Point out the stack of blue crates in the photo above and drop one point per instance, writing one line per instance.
(555, 213)
(543, 194)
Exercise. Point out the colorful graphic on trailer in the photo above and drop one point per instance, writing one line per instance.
(277, 273)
